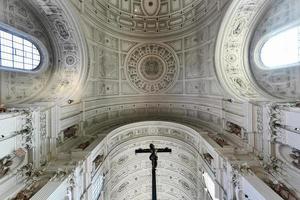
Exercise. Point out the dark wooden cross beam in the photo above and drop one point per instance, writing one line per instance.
(153, 157)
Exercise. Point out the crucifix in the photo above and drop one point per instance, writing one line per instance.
(153, 157)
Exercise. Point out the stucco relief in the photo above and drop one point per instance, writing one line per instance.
(129, 174)
(109, 54)
(152, 68)
(20, 86)
(68, 72)
(153, 16)
(56, 29)
(231, 52)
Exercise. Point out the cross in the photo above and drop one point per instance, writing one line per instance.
(153, 157)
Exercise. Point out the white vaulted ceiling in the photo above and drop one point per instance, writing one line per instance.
(115, 62)
(130, 49)
(151, 47)
(152, 16)
(122, 48)
(159, 63)
(128, 175)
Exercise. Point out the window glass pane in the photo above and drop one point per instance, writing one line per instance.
(36, 62)
(27, 60)
(28, 66)
(27, 49)
(36, 52)
(5, 42)
(27, 43)
(6, 56)
(6, 35)
(28, 55)
(36, 57)
(17, 52)
(17, 39)
(282, 49)
(7, 63)
(18, 46)
(6, 49)
(18, 65)
(19, 59)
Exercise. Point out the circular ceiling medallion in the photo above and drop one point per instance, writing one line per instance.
(151, 68)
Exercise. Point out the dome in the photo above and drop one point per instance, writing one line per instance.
(141, 97)
(151, 16)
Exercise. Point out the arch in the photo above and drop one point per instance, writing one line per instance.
(232, 50)
(19, 44)
(280, 79)
(69, 65)
(278, 49)
(124, 170)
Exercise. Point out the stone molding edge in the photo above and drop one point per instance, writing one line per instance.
(231, 55)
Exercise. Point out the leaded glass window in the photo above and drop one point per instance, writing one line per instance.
(17, 52)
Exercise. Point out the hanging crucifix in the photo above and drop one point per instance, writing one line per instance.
(153, 157)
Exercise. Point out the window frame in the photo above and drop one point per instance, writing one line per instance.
(44, 55)
(258, 47)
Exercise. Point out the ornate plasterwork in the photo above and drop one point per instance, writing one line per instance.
(128, 175)
(232, 49)
(19, 18)
(108, 50)
(54, 24)
(155, 16)
(123, 113)
(152, 68)
(174, 174)
(69, 48)
(150, 7)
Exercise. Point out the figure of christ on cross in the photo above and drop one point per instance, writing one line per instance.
(153, 157)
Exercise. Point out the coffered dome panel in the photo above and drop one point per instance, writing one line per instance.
(155, 16)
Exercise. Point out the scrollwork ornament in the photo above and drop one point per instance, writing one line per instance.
(231, 66)
(43, 124)
(235, 178)
(274, 129)
(274, 166)
(27, 130)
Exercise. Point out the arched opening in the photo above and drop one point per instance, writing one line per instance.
(280, 50)
(21, 52)
(127, 174)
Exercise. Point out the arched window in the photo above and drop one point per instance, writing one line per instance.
(281, 50)
(17, 53)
